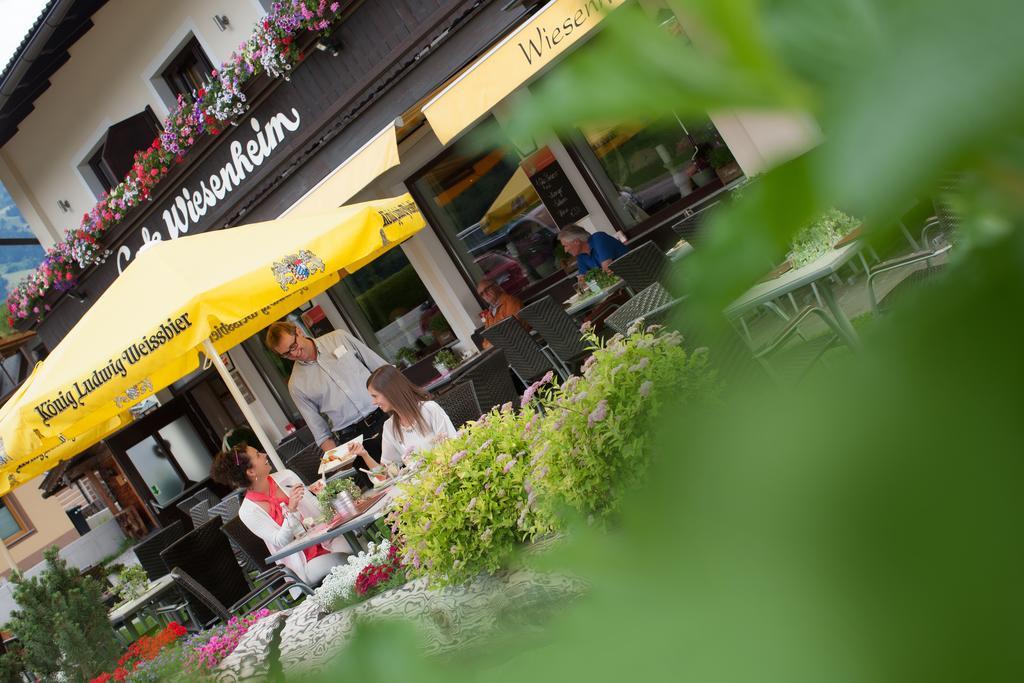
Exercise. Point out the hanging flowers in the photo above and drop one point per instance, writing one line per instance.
(270, 49)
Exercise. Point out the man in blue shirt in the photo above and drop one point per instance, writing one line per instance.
(592, 250)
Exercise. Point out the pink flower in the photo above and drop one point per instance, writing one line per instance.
(508, 466)
(599, 414)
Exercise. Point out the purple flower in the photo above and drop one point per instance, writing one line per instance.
(600, 412)
(486, 535)
(641, 364)
(508, 466)
(645, 388)
(426, 527)
(472, 504)
(486, 444)
(457, 457)
(589, 362)
(506, 407)
(502, 458)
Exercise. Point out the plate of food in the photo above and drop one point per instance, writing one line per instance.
(338, 457)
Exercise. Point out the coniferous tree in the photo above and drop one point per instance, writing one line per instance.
(62, 623)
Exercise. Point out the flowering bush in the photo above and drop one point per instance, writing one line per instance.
(372, 571)
(594, 443)
(270, 49)
(141, 651)
(472, 503)
(209, 649)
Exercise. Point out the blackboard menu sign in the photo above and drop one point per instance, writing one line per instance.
(554, 188)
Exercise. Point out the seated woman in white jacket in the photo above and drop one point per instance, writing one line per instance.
(267, 498)
(416, 422)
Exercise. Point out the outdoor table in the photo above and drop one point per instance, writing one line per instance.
(814, 273)
(588, 302)
(125, 614)
(454, 373)
(348, 529)
(680, 250)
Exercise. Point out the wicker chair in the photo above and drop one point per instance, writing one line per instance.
(653, 304)
(691, 227)
(290, 447)
(559, 330)
(459, 402)
(186, 504)
(254, 550)
(641, 267)
(306, 463)
(228, 509)
(148, 550)
(205, 556)
(524, 354)
(200, 513)
(491, 380)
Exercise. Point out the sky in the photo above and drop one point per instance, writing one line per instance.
(18, 17)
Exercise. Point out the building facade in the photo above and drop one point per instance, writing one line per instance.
(362, 116)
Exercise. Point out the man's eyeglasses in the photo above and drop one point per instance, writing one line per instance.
(293, 348)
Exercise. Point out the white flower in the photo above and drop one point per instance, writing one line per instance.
(340, 583)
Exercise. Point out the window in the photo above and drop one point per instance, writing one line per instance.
(187, 71)
(114, 154)
(482, 200)
(100, 170)
(13, 525)
(650, 169)
(392, 310)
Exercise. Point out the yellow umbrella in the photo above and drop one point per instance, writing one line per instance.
(198, 294)
(517, 194)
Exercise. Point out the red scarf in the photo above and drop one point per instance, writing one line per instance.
(273, 498)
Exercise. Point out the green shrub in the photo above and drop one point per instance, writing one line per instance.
(62, 623)
(472, 504)
(595, 440)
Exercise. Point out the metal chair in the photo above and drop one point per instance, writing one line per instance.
(459, 403)
(491, 380)
(641, 267)
(290, 447)
(306, 463)
(653, 304)
(148, 550)
(788, 363)
(912, 281)
(691, 226)
(228, 507)
(524, 354)
(205, 556)
(558, 328)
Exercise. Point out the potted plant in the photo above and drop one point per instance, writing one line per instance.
(445, 361)
(441, 330)
(598, 280)
(332, 491)
(722, 160)
(406, 356)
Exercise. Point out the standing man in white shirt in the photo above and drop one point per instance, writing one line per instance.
(328, 385)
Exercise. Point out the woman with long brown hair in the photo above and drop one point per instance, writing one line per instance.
(416, 422)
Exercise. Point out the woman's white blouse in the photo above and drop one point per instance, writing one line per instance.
(397, 450)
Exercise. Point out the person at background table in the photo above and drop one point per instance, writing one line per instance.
(328, 382)
(415, 423)
(592, 250)
(261, 510)
(500, 304)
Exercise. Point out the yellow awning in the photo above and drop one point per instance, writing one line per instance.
(512, 62)
(147, 330)
(371, 160)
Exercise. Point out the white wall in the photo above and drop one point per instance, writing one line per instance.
(106, 80)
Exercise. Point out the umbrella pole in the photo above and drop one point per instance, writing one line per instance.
(268, 447)
(5, 553)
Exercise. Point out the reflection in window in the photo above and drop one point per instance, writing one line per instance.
(652, 167)
(11, 525)
(396, 308)
(493, 217)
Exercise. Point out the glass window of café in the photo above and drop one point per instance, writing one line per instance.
(653, 171)
(390, 307)
(478, 196)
